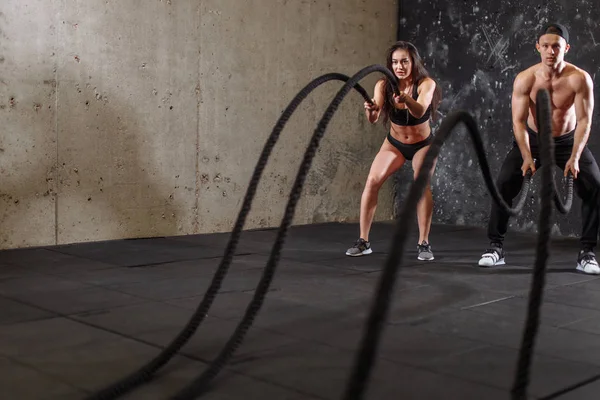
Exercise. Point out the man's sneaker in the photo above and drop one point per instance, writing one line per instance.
(492, 256)
(586, 263)
(424, 251)
(360, 248)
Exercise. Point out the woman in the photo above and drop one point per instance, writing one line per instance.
(409, 138)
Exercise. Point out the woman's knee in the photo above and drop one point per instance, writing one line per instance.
(418, 162)
(417, 171)
(427, 192)
(374, 183)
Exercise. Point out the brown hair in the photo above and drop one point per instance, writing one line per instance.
(418, 73)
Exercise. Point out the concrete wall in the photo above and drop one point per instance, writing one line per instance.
(143, 118)
(474, 50)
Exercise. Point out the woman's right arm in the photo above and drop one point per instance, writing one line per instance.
(373, 110)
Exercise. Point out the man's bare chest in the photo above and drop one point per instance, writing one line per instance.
(562, 95)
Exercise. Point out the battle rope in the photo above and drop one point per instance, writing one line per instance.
(548, 191)
(146, 372)
(565, 207)
(357, 384)
(197, 386)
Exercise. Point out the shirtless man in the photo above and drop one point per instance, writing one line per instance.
(572, 99)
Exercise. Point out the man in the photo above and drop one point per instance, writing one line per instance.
(572, 100)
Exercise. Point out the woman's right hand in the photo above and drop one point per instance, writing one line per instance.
(371, 106)
(372, 111)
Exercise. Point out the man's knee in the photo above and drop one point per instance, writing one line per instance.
(587, 189)
(510, 173)
(587, 184)
(509, 185)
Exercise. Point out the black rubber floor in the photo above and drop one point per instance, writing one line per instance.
(75, 318)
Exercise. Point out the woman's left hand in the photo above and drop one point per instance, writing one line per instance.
(401, 98)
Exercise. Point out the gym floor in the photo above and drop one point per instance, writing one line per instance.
(75, 318)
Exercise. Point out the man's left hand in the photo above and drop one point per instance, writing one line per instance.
(572, 166)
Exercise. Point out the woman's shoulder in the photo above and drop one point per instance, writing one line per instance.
(427, 80)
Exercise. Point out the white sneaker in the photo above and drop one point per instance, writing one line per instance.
(492, 257)
(587, 263)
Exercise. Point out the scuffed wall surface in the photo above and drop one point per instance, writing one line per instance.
(28, 139)
(127, 120)
(474, 50)
(280, 49)
(146, 118)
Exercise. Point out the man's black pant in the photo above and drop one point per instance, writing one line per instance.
(587, 186)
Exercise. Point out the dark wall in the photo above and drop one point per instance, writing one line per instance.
(474, 49)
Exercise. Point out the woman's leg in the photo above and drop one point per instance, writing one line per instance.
(425, 205)
(386, 162)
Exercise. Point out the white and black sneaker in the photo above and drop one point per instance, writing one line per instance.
(492, 256)
(586, 263)
(360, 248)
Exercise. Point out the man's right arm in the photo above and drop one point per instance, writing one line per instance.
(520, 112)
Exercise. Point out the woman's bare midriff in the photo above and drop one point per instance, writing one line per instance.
(410, 134)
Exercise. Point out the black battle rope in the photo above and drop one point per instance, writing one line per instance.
(146, 372)
(365, 359)
(566, 207)
(519, 389)
(197, 386)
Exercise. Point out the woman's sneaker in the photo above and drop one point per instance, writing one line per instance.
(360, 248)
(424, 251)
(492, 256)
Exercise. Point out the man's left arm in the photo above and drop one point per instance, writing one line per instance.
(584, 108)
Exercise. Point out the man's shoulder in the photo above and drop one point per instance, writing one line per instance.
(577, 73)
(525, 79)
(528, 72)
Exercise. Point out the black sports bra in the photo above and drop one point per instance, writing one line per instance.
(405, 118)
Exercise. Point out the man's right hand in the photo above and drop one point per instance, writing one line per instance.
(528, 165)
